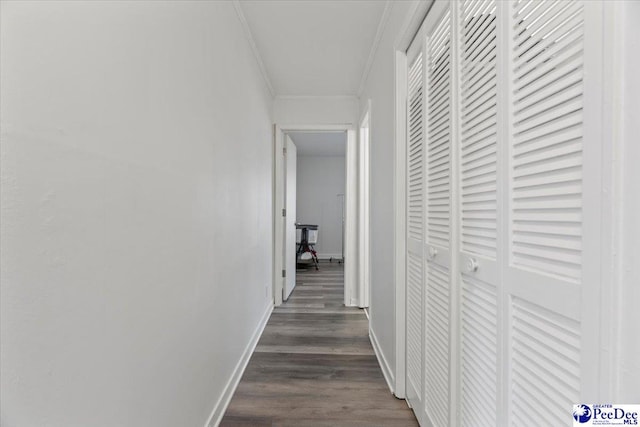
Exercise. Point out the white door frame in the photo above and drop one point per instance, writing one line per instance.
(351, 210)
(291, 162)
(409, 30)
(278, 188)
(364, 177)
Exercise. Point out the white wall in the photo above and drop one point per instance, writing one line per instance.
(629, 344)
(320, 180)
(315, 110)
(379, 89)
(136, 210)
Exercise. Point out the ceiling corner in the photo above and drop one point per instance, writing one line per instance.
(254, 48)
(384, 18)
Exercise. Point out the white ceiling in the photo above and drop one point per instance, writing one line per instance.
(324, 144)
(314, 47)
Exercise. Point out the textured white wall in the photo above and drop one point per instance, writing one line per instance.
(136, 210)
(320, 180)
(380, 90)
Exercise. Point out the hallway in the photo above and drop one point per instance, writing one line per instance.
(314, 365)
(485, 197)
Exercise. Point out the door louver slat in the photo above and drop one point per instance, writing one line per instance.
(437, 299)
(478, 209)
(547, 139)
(414, 319)
(479, 353)
(478, 117)
(546, 359)
(415, 160)
(437, 351)
(439, 137)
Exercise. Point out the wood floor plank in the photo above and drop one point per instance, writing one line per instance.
(314, 365)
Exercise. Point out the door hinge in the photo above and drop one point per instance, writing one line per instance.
(284, 212)
(284, 151)
(284, 273)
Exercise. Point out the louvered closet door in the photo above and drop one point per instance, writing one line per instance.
(510, 178)
(550, 353)
(415, 224)
(438, 182)
(478, 212)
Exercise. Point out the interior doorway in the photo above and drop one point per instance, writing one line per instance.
(320, 190)
(325, 180)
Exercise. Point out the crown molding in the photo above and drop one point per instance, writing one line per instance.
(411, 24)
(374, 46)
(316, 97)
(254, 47)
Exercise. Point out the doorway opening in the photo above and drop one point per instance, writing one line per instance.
(320, 193)
(315, 184)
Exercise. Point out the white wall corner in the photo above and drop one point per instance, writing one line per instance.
(382, 361)
(384, 18)
(254, 47)
(412, 23)
(223, 401)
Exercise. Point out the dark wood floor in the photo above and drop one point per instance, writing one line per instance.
(314, 365)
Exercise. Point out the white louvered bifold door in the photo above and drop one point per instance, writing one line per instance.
(416, 215)
(510, 213)
(478, 211)
(545, 286)
(439, 219)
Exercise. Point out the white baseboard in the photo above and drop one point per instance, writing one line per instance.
(223, 401)
(328, 256)
(386, 371)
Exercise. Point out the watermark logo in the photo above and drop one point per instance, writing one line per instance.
(582, 413)
(605, 415)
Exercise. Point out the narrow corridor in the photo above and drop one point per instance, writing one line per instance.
(314, 365)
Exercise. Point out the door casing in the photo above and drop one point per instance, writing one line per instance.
(351, 207)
